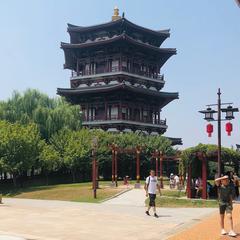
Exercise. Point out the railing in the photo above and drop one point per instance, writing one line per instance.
(118, 69)
(116, 117)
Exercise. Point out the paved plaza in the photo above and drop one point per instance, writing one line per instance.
(119, 218)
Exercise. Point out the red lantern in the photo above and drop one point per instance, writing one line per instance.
(229, 128)
(209, 129)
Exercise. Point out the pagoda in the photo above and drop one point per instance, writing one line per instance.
(116, 76)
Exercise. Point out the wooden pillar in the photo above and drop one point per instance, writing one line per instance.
(189, 180)
(116, 170)
(138, 166)
(156, 158)
(87, 112)
(120, 110)
(113, 165)
(161, 170)
(106, 109)
(204, 177)
(120, 63)
(94, 165)
(77, 68)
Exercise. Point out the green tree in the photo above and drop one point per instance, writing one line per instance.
(50, 159)
(20, 148)
(50, 114)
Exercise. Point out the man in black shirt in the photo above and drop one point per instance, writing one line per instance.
(225, 196)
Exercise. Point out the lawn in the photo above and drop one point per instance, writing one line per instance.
(184, 203)
(79, 192)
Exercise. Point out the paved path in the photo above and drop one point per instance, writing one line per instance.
(117, 219)
(134, 197)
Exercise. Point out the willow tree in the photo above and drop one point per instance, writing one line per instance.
(50, 114)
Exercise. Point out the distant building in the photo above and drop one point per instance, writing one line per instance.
(116, 76)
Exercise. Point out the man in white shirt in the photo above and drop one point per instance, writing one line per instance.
(177, 181)
(151, 186)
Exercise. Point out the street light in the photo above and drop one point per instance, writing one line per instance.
(209, 117)
(208, 114)
(229, 112)
(94, 166)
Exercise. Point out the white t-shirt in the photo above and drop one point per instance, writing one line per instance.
(152, 184)
(176, 178)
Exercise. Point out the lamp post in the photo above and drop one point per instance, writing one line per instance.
(209, 117)
(94, 166)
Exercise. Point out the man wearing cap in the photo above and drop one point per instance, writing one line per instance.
(225, 196)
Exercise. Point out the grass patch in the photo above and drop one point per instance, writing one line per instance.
(173, 193)
(184, 203)
(79, 192)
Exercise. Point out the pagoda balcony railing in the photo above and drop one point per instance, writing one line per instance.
(116, 117)
(101, 70)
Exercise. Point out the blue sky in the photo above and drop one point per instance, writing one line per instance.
(205, 33)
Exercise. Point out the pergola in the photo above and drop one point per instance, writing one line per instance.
(204, 158)
(160, 157)
(117, 150)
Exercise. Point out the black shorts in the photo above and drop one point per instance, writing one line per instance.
(225, 207)
(152, 198)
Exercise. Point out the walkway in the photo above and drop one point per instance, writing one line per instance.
(120, 218)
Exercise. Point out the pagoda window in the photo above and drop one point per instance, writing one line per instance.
(93, 68)
(145, 116)
(115, 65)
(125, 113)
(101, 67)
(114, 112)
(137, 114)
(124, 65)
(87, 69)
(84, 114)
(100, 113)
(92, 113)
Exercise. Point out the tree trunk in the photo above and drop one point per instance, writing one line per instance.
(47, 178)
(73, 175)
(14, 179)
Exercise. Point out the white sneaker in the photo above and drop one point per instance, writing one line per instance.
(232, 234)
(223, 232)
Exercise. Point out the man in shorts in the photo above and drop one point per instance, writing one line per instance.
(151, 186)
(225, 196)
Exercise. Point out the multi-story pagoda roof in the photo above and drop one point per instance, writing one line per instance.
(119, 26)
(158, 55)
(81, 95)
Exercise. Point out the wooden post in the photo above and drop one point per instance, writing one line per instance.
(106, 109)
(113, 165)
(94, 185)
(116, 175)
(87, 112)
(138, 166)
(189, 179)
(156, 157)
(161, 170)
(204, 177)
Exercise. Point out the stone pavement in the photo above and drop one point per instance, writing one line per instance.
(121, 218)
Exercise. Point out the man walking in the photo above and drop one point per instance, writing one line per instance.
(151, 186)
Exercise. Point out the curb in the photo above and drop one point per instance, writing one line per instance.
(116, 195)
